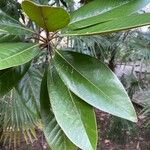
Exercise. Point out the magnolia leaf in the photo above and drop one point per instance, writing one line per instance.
(54, 135)
(11, 26)
(124, 23)
(75, 117)
(47, 17)
(99, 11)
(15, 54)
(95, 83)
(10, 77)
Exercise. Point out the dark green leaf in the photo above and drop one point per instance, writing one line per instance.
(9, 38)
(52, 131)
(47, 17)
(10, 77)
(99, 11)
(29, 88)
(14, 54)
(76, 118)
(94, 82)
(9, 25)
(124, 23)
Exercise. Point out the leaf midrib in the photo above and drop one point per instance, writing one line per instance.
(79, 116)
(114, 8)
(81, 31)
(17, 54)
(42, 16)
(83, 75)
(14, 25)
(107, 97)
(76, 110)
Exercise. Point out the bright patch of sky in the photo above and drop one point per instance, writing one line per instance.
(146, 9)
(19, 1)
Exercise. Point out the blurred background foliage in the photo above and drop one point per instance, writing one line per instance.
(126, 53)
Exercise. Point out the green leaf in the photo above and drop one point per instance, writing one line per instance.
(95, 83)
(75, 117)
(14, 54)
(99, 11)
(10, 77)
(52, 131)
(9, 38)
(124, 23)
(11, 26)
(47, 17)
(17, 118)
(29, 88)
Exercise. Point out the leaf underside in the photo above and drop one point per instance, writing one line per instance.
(47, 17)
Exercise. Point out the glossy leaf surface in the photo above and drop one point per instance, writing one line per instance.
(115, 25)
(47, 17)
(99, 11)
(14, 54)
(71, 113)
(10, 77)
(95, 83)
(11, 26)
(55, 137)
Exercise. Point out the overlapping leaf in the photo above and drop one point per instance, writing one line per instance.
(9, 38)
(71, 113)
(93, 82)
(115, 25)
(99, 17)
(52, 131)
(14, 54)
(29, 88)
(10, 77)
(17, 118)
(9, 25)
(19, 108)
(47, 17)
(99, 11)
